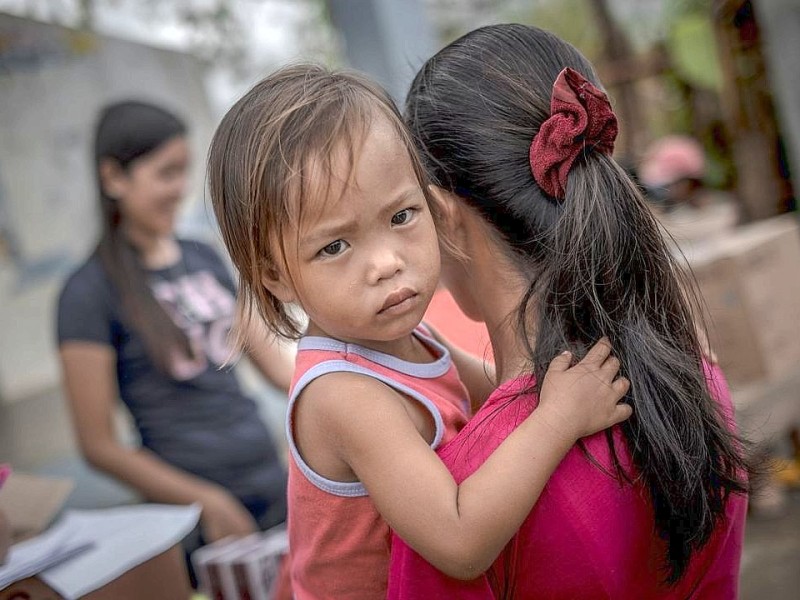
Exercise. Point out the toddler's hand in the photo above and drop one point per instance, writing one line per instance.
(583, 399)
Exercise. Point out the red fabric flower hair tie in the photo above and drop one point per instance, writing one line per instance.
(581, 118)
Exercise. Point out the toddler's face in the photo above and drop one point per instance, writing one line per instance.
(367, 262)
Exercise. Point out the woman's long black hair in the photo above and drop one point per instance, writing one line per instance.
(125, 132)
(597, 265)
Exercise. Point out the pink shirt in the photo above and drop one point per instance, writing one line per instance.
(588, 537)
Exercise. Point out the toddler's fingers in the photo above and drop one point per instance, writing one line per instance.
(611, 367)
(622, 412)
(598, 353)
(621, 385)
(561, 362)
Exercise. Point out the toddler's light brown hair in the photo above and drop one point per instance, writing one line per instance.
(271, 164)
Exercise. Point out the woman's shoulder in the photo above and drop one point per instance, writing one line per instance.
(508, 406)
(86, 304)
(88, 278)
(511, 402)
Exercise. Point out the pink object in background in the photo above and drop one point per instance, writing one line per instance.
(5, 473)
(671, 159)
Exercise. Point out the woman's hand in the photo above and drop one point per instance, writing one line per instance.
(224, 515)
(583, 399)
(272, 356)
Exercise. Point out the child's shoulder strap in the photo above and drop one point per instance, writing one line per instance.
(350, 489)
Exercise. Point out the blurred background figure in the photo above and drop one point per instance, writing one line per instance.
(672, 173)
(147, 319)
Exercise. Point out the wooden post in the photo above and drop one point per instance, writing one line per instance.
(617, 50)
(748, 109)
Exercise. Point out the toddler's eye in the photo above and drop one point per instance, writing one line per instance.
(334, 248)
(403, 217)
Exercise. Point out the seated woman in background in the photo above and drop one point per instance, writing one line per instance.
(146, 318)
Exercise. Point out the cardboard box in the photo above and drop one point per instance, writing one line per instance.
(750, 282)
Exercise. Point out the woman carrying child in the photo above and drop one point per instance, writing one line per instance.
(555, 246)
(323, 206)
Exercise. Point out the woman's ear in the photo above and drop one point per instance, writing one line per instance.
(451, 223)
(278, 284)
(113, 179)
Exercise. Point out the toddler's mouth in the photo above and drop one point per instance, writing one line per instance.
(397, 300)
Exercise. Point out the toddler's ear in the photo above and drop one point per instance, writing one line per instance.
(278, 284)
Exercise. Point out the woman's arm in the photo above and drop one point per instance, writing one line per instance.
(90, 385)
(460, 529)
(477, 375)
(273, 357)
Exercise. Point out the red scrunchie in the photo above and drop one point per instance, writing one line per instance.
(581, 118)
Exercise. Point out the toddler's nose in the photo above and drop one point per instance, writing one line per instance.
(386, 263)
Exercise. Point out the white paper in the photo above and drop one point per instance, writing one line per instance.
(122, 538)
(33, 556)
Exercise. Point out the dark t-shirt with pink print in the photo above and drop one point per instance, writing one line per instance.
(196, 417)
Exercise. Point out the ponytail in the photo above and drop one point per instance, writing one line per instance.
(608, 272)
